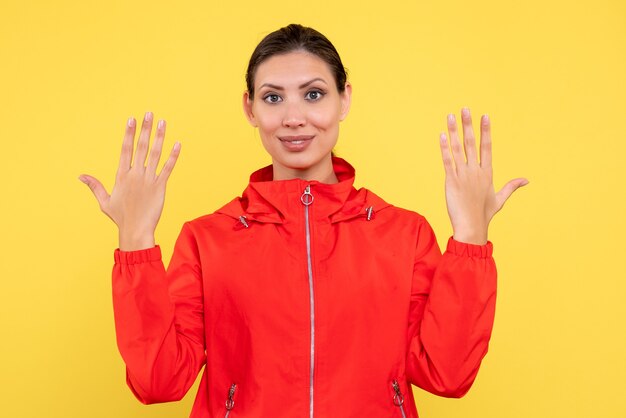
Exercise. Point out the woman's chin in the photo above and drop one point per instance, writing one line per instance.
(302, 165)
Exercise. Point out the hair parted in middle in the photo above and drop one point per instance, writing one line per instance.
(295, 37)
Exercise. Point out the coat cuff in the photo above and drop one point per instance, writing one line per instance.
(136, 257)
(470, 250)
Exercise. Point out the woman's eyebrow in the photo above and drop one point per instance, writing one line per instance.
(272, 86)
(312, 81)
(275, 87)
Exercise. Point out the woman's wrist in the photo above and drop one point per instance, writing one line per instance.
(133, 241)
(471, 236)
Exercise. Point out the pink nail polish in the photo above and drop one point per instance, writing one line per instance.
(161, 124)
(148, 116)
(451, 118)
(131, 122)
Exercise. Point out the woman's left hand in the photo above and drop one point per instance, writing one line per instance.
(470, 194)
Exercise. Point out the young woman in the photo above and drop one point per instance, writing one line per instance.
(304, 297)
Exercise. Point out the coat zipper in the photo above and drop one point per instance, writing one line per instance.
(230, 401)
(398, 399)
(307, 200)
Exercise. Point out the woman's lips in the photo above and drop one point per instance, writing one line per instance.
(296, 142)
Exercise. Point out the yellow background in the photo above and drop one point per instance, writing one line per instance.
(551, 74)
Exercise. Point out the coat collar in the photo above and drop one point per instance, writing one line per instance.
(267, 200)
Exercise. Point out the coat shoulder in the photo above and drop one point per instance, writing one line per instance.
(224, 217)
(393, 211)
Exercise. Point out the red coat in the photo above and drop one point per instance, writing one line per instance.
(330, 309)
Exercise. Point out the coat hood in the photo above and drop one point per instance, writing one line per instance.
(271, 201)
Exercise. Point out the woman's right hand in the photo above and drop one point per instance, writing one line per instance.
(137, 199)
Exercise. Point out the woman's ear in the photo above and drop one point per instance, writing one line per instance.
(346, 100)
(247, 108)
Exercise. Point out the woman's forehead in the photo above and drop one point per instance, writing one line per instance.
(292, 69)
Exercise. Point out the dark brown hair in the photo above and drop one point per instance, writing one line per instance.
(296, 38)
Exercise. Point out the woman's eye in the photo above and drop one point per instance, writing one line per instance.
(314, 95)
(272, 98)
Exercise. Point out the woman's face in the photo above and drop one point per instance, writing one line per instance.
(297, 109)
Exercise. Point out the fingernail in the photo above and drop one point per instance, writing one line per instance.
(465, 111)
(82, 178)
(485, 119)
(161, 124)
(131, 122)
(148, 116)
(451, 118)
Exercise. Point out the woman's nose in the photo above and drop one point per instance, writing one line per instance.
(294, 116)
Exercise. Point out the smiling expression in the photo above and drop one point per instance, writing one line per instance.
(297, 109)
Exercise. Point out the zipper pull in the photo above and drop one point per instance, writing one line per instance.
(230, 402)
(307, 197)
(398, 399)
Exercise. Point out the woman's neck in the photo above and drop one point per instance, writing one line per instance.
(324, 173)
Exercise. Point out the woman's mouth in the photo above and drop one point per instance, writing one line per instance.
(296, 142)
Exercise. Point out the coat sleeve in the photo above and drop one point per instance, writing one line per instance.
(451, 313)
(159, 319)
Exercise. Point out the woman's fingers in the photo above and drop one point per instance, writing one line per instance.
(127, 146)
(97, 189)
(455, 143)
(468, 136)
(448, 164)
(507, 190)
(144, 141)
(157, 146)
(144, 150)
(170, 163)
(466, 152)
(485, 142)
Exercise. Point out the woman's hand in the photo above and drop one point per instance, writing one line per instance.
(136, 202)
(470, 195)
